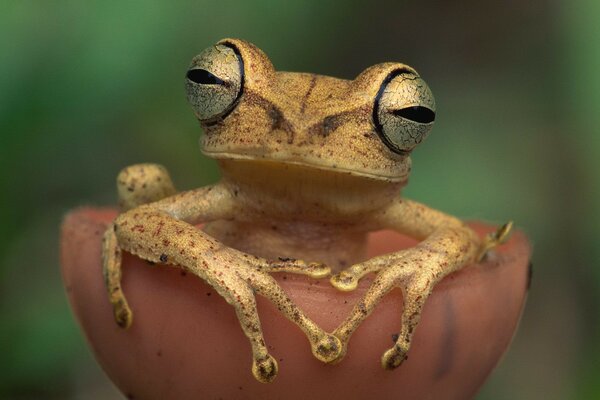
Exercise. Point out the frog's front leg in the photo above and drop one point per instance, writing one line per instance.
(447, 245)
(158, 232)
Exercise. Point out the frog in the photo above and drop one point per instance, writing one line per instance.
(310, 165)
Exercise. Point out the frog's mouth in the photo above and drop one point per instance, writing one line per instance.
(400, 176)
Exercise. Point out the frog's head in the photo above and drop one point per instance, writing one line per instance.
(366, 127)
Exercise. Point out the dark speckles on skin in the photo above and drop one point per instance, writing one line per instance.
(311, 86)
(330, 123)
(395, 337)
(164, 258)
(327, 126)
(362, 308)
(277, 119)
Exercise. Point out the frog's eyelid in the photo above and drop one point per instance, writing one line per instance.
(242, 70)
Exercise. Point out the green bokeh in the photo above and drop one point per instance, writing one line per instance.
(89, 87)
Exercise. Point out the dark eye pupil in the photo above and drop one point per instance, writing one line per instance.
(419, 114)
(203, 77)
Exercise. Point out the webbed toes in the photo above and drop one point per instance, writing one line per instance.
(344, 282)
(265, 369)
(328, 349)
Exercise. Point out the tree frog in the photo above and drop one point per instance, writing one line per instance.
(310, 165)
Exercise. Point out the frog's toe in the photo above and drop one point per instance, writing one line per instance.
(393, 358)
(318, 270)
(344, 281)
(122, 313)
(500, 236)
(265, 369)
(503, 232)
(328, 349)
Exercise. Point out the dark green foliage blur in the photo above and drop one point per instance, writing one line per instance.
(89, 87)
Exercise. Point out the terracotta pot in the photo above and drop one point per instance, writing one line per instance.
(186, 343)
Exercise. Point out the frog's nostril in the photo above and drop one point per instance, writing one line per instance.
(203, 77)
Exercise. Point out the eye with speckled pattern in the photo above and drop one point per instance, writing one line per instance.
(214, 82)
(404, 111)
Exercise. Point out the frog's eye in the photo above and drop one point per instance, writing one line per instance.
(404, 111)
(214, 82)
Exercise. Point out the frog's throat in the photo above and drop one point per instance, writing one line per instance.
(397, 179)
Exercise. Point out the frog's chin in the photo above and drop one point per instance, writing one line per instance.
(332, 168)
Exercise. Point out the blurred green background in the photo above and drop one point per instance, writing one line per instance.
(89, 87)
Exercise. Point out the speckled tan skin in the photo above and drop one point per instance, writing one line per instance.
(310, 165)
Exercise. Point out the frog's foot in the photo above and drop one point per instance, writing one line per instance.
(494, 239)
(142, 184)
(415, 271)
(285, 264)
(416, 285)
(325, 346)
